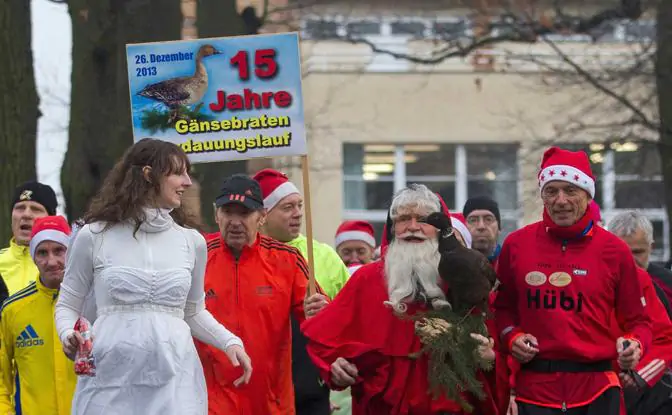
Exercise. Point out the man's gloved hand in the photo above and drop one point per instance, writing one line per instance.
(631, 379)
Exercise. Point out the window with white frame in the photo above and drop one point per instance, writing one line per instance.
(373, 172)
(456, 27)
(629, 178)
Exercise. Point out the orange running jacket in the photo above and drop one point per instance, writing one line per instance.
(253, 297)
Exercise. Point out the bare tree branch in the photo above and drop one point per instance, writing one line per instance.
(627, 9)
(519, 29)
(453, 50)
(623, 81)
(590, 79)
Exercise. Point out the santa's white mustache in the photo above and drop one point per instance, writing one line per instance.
(416, 235)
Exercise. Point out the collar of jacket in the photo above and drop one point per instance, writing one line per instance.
(246, 249)
(492, 258)
(52, 292)
(583, 227)
(18, 251)
(296, 242)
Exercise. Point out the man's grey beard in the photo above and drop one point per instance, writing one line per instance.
(410, 268)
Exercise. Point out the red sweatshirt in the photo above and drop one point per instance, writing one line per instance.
(565, 293)
(659, 356)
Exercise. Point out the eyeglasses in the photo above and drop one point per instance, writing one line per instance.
(487, 219)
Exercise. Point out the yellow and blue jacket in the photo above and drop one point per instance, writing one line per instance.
(36, 376)
(17, 267)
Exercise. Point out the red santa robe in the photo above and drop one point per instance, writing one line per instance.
(359, 327)
(506, 367)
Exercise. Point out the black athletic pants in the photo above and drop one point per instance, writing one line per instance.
(652, 401)
(311, 397)
(316, 407)
(609, 403)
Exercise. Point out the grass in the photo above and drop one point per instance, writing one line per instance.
(156, 119)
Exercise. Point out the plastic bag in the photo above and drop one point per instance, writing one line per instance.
(84, 364)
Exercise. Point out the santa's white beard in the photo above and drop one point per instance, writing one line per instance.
(409, 266)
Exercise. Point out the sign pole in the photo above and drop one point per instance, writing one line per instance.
(312, 289)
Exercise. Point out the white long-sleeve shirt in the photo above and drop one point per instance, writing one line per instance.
(159, 269)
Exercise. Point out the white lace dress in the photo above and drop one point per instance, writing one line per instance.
(149, 296)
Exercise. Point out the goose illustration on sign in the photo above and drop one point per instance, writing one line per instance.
(182, 90)
(220, 99)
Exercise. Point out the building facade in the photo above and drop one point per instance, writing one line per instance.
(464, 126)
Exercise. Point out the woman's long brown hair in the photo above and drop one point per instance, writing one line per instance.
(126, 191)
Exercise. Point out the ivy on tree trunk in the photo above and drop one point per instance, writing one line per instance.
(216, 18)
(100, 117)
(18, 106)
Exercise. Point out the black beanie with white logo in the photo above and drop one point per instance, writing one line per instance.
(36, 192)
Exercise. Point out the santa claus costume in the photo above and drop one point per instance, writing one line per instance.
(361, 327)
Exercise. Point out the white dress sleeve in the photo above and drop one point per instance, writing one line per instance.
(203, 325)
(76, 283)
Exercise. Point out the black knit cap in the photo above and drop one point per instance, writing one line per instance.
(36, 192)
(482, 203)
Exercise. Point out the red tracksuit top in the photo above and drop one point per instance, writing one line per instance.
(565, 293)
(652, 367)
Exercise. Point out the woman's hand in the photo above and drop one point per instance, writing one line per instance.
(238, 357)
(72, 343)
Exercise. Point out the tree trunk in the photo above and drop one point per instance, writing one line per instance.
(216, 18)
(100, 117)
(18, 106)
(664, 86)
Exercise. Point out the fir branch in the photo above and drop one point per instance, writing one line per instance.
(452, 353)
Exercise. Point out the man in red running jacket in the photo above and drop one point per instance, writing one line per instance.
(562, 281)
(646, 390)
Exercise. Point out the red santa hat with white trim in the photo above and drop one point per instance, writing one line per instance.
(567, 166)
(275, 186)
(355, 230)
(49, 228)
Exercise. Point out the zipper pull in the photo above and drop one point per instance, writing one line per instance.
(564, 407)
(564, 245)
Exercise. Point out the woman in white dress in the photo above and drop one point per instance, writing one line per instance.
(146, 267)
